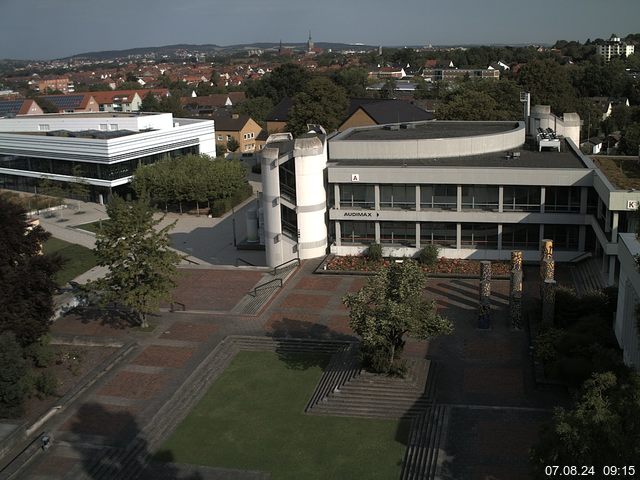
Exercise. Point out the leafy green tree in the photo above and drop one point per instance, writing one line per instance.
(354, 80)
(232, 145)
(602, 428)
(388, 90)
(630, 141)
(26, 277)
(46, 105)
(150, 103)
(388, 308)
(322, 102)
(13, 371)
(141, 265)
(257, 108)
(481, 100)
(171, 104)
(549, 84)
(79, 187)
(284, 81)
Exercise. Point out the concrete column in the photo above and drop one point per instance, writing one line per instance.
(501, 199)
(377, 231)
(459, 198)
(336, 195)
(458, 236)
(599, 209)
(541, 233)
(271, 207)
(499, 236)
(543, 191)
(582, 237)
(611, 280)
(376, 197)
(614, 227)
(418, 235)
(417, 198)
(607, 221)
(584, 192)
(603, 267)
(338, 233)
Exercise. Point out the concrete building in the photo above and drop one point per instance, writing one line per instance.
(105, 148)
(614, 47)
(476, 189)
(55, 83)
(626, 325)
(75, 103)
(118, 100)
(242, 128)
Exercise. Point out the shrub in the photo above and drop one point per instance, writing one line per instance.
(46, 384)
(13, 369)
(428, 256)
(546, 344)
(40, 352)
(374, 252)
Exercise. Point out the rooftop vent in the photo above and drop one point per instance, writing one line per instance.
(392, 127)
(408, 126)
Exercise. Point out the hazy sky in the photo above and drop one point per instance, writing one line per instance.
(44, 29)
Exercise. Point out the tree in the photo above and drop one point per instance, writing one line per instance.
(354, 80)
(257, 108)
(232, 145)
(284, 81)
(388, 90)
(26, 277)
(141, 265)
(481, 100)
(13, 371)
(630, 141)
(79, 187)
(388, 308)
(322, 102)
(150, 103)
(548, 82)
(602, 428)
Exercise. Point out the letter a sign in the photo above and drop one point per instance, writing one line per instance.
(355, 177)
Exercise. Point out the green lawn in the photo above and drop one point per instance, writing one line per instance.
(78, 259)
(252, 418)
(92, 227)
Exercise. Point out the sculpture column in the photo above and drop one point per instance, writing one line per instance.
(515, 290)
(484, 314)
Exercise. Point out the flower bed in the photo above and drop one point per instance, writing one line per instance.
(445, 266)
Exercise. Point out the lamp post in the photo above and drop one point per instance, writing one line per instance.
(233, 225)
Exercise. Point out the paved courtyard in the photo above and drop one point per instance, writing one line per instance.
(484, 378)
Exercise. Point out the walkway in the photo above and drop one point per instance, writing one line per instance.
(491, 408)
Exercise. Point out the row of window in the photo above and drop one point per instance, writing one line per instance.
(113, 171)
(473, 235)
(474, 197)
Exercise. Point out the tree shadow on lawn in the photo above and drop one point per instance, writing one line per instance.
(292, 328)
(121, 429)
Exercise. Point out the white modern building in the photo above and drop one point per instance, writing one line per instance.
(627, 325)
(475, 189)
(614, 47)
(105, 147)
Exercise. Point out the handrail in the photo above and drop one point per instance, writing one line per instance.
(275, 269)
(580, 257)
(238, 259)
(259, 287)
(172, 309)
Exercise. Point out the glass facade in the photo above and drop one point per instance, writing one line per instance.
(398, 196)
(441, 234)
(522, 236)
(289, 222)
(441, 197)
(357, 232)
(479, 236)
(287, 172)
(565, 237)
(401, 233)
(480, 197)
(562, 200)
(357, 196)
(521, 199)
(98, 171)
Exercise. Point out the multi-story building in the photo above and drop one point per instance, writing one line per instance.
(19, 107)
(241, 128)
(451, 74)
(475, 189)
(74, 103)
(101, 149)
(615, 48)
(118, 100)
(53, 83)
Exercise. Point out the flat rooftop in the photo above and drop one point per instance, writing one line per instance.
(90, 115)
(430, 130)
(98, 134)
(529, 158)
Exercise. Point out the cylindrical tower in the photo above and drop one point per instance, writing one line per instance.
(311, 202)
(271, 206)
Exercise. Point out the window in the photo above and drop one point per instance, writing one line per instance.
(521, 199)
(289, 222)
(565, 237)
(287, 173)
(43, 127)
(480, 197)
(220, 137)
(357, 232)
(113, 126)
(103, 126)
(228, 138)
(398, 196)
(479, 236)
(524, 236)
(248, 136)
(403, 233)
(356, 196)
(442, 197)
(441, 234)
(562, 199)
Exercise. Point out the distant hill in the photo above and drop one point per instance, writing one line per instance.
(210, 49)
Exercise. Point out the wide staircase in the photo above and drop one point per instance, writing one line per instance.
(254, 300)
(587, 276)
(425, 437)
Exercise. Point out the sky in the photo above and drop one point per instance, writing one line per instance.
(47, 29)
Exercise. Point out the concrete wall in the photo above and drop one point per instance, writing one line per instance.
(625, 326)
(429, 147)
(76, 122)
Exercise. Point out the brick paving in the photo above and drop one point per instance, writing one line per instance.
(475, 367)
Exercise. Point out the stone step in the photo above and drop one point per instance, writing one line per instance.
(421, 456)
(378, 395)
(388, 413)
